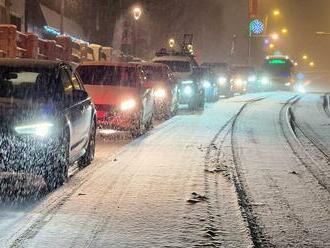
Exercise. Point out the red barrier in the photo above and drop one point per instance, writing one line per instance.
(32, 46)
(8, 45)
(66, 43)
(50, 47)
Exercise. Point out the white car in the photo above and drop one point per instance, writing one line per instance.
(181, 65)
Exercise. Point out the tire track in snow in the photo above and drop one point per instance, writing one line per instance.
(291, 130)
(213, 165)
(258, 236)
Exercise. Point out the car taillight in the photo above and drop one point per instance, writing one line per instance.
(101, 114)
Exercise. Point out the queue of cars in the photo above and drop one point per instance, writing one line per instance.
(50, 112)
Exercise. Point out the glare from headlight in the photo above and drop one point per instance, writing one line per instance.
(128, 105)
(265, 81)
(301, 89)
(252, 78)
(222, 81)
(188, 91)
(160, 93)
(239, 82)
(38, 129)
(206, 84)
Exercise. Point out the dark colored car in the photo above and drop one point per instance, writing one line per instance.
(191, 91)
(123, 98)
(47, 120)
(165, 87)
(241, 78)
(222, 77)
(210, 83)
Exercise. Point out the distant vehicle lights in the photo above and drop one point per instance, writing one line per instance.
(206, 84)
(222, 81)
(160, 93)
(188, 90)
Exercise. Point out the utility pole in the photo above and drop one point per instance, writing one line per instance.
(62, 17)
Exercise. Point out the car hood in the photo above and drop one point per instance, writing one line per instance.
(111, 95)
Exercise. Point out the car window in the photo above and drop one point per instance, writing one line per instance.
(33, 84)
(66, 81)
(76, 83)
(108, 75)
(177, 66)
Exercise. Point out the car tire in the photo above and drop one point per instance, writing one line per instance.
(137, 128)
(88, 157)
(193, 105)
(58, 175)
(202, 104)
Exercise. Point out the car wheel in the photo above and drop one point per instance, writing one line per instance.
(137, 127)
(202, 104)
(88, 157)
(193, 105)
(59, 163)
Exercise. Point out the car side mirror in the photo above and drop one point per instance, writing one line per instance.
(79, 95)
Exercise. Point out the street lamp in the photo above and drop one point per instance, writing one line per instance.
(171, 42)
(276, 12)
(137, 12)
(271, 46)
(311, 64)
(304, 57)
(275, 36)
(284, 31)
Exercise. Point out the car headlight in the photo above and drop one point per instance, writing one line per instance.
(206, 84)
(160, 93)
(239, 82)
(288, 84)
(39, 129)
(222, 81)
(252, 78)
(128, 105)
(301, 89)
(265, 81)
(188, 90)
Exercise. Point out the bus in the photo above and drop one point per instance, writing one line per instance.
(279, 71)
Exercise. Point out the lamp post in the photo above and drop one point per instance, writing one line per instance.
(137, 12)
(62, 17)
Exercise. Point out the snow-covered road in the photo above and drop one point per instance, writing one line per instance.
(234, 175)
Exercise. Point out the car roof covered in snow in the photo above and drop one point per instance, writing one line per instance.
(18, 62)
(172, 58)
(108, 63)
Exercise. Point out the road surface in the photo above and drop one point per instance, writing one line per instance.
(249, 171)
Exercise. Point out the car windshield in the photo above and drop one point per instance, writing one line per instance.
(242, 71)
(32, 84)
(177, 66)
(281, 70)
(108, 75)
(154, 73)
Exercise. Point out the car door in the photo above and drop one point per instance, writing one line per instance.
(71, 112)
(77, 112)
(86, 110)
